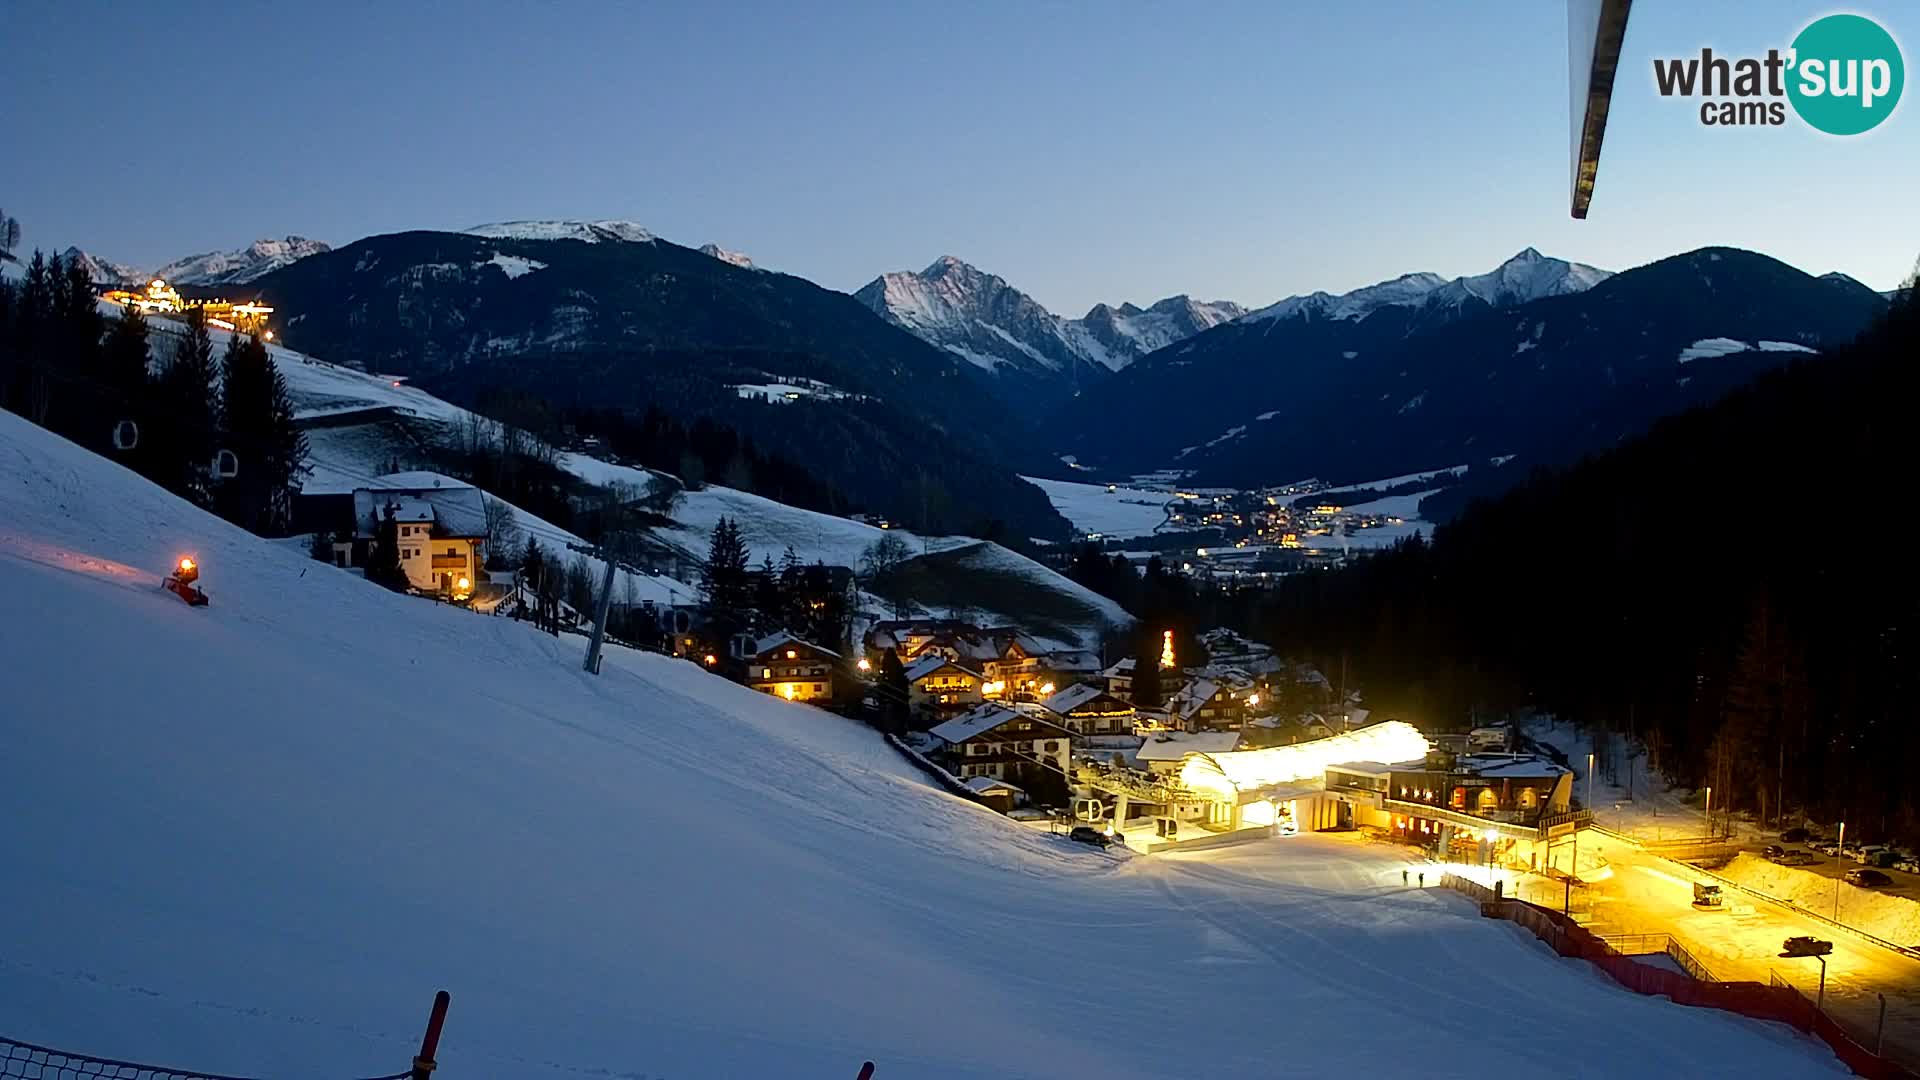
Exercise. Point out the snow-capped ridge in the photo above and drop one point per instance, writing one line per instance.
(256, 260)
(731, 258)
(977, 315)
(1526, 276)
(591, 232)
(103, 271)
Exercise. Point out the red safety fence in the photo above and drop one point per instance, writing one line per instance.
(1777, 1002)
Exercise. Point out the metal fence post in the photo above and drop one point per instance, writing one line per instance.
(423, 1065)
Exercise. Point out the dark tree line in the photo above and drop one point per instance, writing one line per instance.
(93, 380)
(1726, 588)
(807, 600)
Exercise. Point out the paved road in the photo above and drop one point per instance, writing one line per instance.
(1647, 894)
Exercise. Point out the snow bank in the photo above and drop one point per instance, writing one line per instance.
(1891, 918)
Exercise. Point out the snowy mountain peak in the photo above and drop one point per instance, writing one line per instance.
(257, 259)
(978, 316)
(591, 232)
(103, 271)
(732, 258)
(1526, 276)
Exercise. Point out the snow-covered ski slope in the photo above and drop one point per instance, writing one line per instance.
(253, 838)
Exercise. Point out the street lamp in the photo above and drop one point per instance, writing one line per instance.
(1803, 947)
(1589, 780)
(1838, 850)
(1709, 811)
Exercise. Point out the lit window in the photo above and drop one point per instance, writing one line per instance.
(766, 673)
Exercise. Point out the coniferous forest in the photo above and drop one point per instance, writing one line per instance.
(214, 425)
(1733, 588)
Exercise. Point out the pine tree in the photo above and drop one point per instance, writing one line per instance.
(1147, 690)
(128, 355)
(260, 428)
(185, 427)
(383, 554)
(893, 693)
(724, 588)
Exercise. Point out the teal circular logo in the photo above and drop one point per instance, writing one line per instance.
(1846, 74)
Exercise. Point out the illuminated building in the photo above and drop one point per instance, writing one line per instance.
(159, 298)
(785, 666)
(939, 688)
(993, 740)
(1086, 709)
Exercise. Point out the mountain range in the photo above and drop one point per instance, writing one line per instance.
(1541, 359)
(207, 269)
(1537, 360)
(982, 319)
(605, 315)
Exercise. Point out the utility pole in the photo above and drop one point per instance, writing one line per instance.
(600, 619)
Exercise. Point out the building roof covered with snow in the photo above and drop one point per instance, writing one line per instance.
(985, 718)
(453, 511)
(1174, 745)
(931, 663)
(781, 638)
(1072, 697)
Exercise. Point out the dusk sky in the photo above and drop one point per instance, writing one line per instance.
(1085, 152)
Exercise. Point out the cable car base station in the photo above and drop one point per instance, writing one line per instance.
(1386, 779)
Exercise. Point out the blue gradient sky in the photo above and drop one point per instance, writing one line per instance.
(1087, 152)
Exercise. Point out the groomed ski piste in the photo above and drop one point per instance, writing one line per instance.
(253, 838)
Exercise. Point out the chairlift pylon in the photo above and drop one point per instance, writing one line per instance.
(126, 435)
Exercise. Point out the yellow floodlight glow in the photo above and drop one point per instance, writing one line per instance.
(1046, 688)
(1228, 773)
(786, 690)
(463, 584)
(864, 664)
(792, 655)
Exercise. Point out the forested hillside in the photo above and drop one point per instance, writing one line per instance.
(1732, 586)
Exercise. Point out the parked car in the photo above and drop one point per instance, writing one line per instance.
(1873, 855)
(1087, 834)
(1911, 864)
(1870, 879)
(1772, 851)
(1796, 857)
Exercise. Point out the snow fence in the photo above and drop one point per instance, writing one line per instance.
(1776, 1001)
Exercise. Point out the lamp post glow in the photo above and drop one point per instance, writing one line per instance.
(1709, 810)
(1589, 780)
(1838, 850)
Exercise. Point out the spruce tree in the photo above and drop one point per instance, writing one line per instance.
(1147, 690)
(893, 693)
(383, 555)
(260, 429)
(185, 428)
(724, 587)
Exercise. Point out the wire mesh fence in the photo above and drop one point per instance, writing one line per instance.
(30, 1062)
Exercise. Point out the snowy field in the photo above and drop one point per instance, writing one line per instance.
(1119, 514)
(255, 837)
